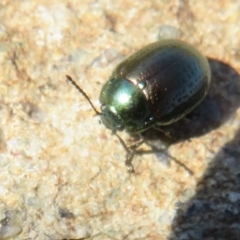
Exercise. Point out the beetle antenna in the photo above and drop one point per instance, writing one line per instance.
(83, 93)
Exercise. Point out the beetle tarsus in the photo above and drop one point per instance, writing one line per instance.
(128, 162)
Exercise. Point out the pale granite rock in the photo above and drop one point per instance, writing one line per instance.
(62, 173)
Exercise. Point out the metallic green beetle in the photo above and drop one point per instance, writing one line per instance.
(156, 86)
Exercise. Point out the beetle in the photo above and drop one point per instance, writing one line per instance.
(156, 86)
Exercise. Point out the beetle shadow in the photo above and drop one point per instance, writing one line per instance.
(219, 105)
(214, 211)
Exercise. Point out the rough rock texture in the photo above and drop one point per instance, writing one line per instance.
(62, 174)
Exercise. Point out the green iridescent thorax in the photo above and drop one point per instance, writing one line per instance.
(124, 106)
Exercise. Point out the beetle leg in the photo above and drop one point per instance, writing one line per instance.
(164, 153)
(158, 128)
(182, 165)
(129, 154)
(137, 143)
